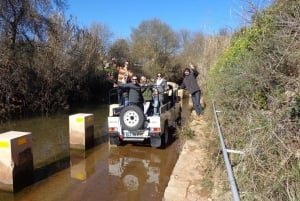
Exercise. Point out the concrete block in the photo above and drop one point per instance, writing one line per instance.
(16, 160)
(81, 131)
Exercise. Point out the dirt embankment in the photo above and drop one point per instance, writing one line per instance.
(191, 180)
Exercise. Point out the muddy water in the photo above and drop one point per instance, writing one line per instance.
(131, 172)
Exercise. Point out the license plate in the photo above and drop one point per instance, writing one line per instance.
(132, 133)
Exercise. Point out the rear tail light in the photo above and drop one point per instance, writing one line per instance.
(112, 129)
(154, 129)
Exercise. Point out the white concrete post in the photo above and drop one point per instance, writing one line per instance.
(16, 160)
(81, 131)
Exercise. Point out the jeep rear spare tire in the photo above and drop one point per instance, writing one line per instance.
(132, 118)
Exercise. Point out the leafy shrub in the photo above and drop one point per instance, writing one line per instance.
(250, 84)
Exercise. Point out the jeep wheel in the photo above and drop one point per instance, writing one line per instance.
(155, 142)
(166, 135)
(132, 117)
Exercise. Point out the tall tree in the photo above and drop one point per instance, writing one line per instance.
(25, 20)
(120, 50)
(153, 44)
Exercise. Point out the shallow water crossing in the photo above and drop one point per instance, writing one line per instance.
(104, 172)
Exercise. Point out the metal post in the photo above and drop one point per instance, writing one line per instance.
(228, 165)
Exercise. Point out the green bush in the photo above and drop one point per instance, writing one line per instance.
(249, 84)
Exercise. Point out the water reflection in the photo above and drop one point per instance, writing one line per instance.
(133, 171)
(140, 173)
(80, 168)
(106, 173)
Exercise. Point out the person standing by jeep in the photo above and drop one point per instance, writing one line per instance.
(190, 83)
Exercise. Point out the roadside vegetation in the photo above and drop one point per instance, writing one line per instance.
(256, 86)
(48, 63)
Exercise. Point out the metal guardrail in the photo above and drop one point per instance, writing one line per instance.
(231, 179)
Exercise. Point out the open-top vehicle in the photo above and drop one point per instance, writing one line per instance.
(130, 124)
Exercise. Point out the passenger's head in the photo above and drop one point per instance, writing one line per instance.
(159, 75)
(143, 79)
(134, 79)
(186, 72)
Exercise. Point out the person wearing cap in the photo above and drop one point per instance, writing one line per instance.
(190, 83)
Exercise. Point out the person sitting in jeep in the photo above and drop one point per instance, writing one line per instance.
(160, 86)
(135, 96)
(147, 93)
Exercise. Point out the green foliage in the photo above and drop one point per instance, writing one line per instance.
(186, 133)
(43, 76)
(295, 111)
(153, 46)
(251, 84)
(261, 99)
(120, 51)
(242, 42)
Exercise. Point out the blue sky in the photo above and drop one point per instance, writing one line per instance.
(206, 16)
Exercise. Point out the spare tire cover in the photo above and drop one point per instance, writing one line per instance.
(132, 117)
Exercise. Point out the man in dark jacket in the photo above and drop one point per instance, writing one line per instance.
(190, 83)
(135, 95)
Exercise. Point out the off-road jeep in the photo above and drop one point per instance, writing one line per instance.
(130, 124)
